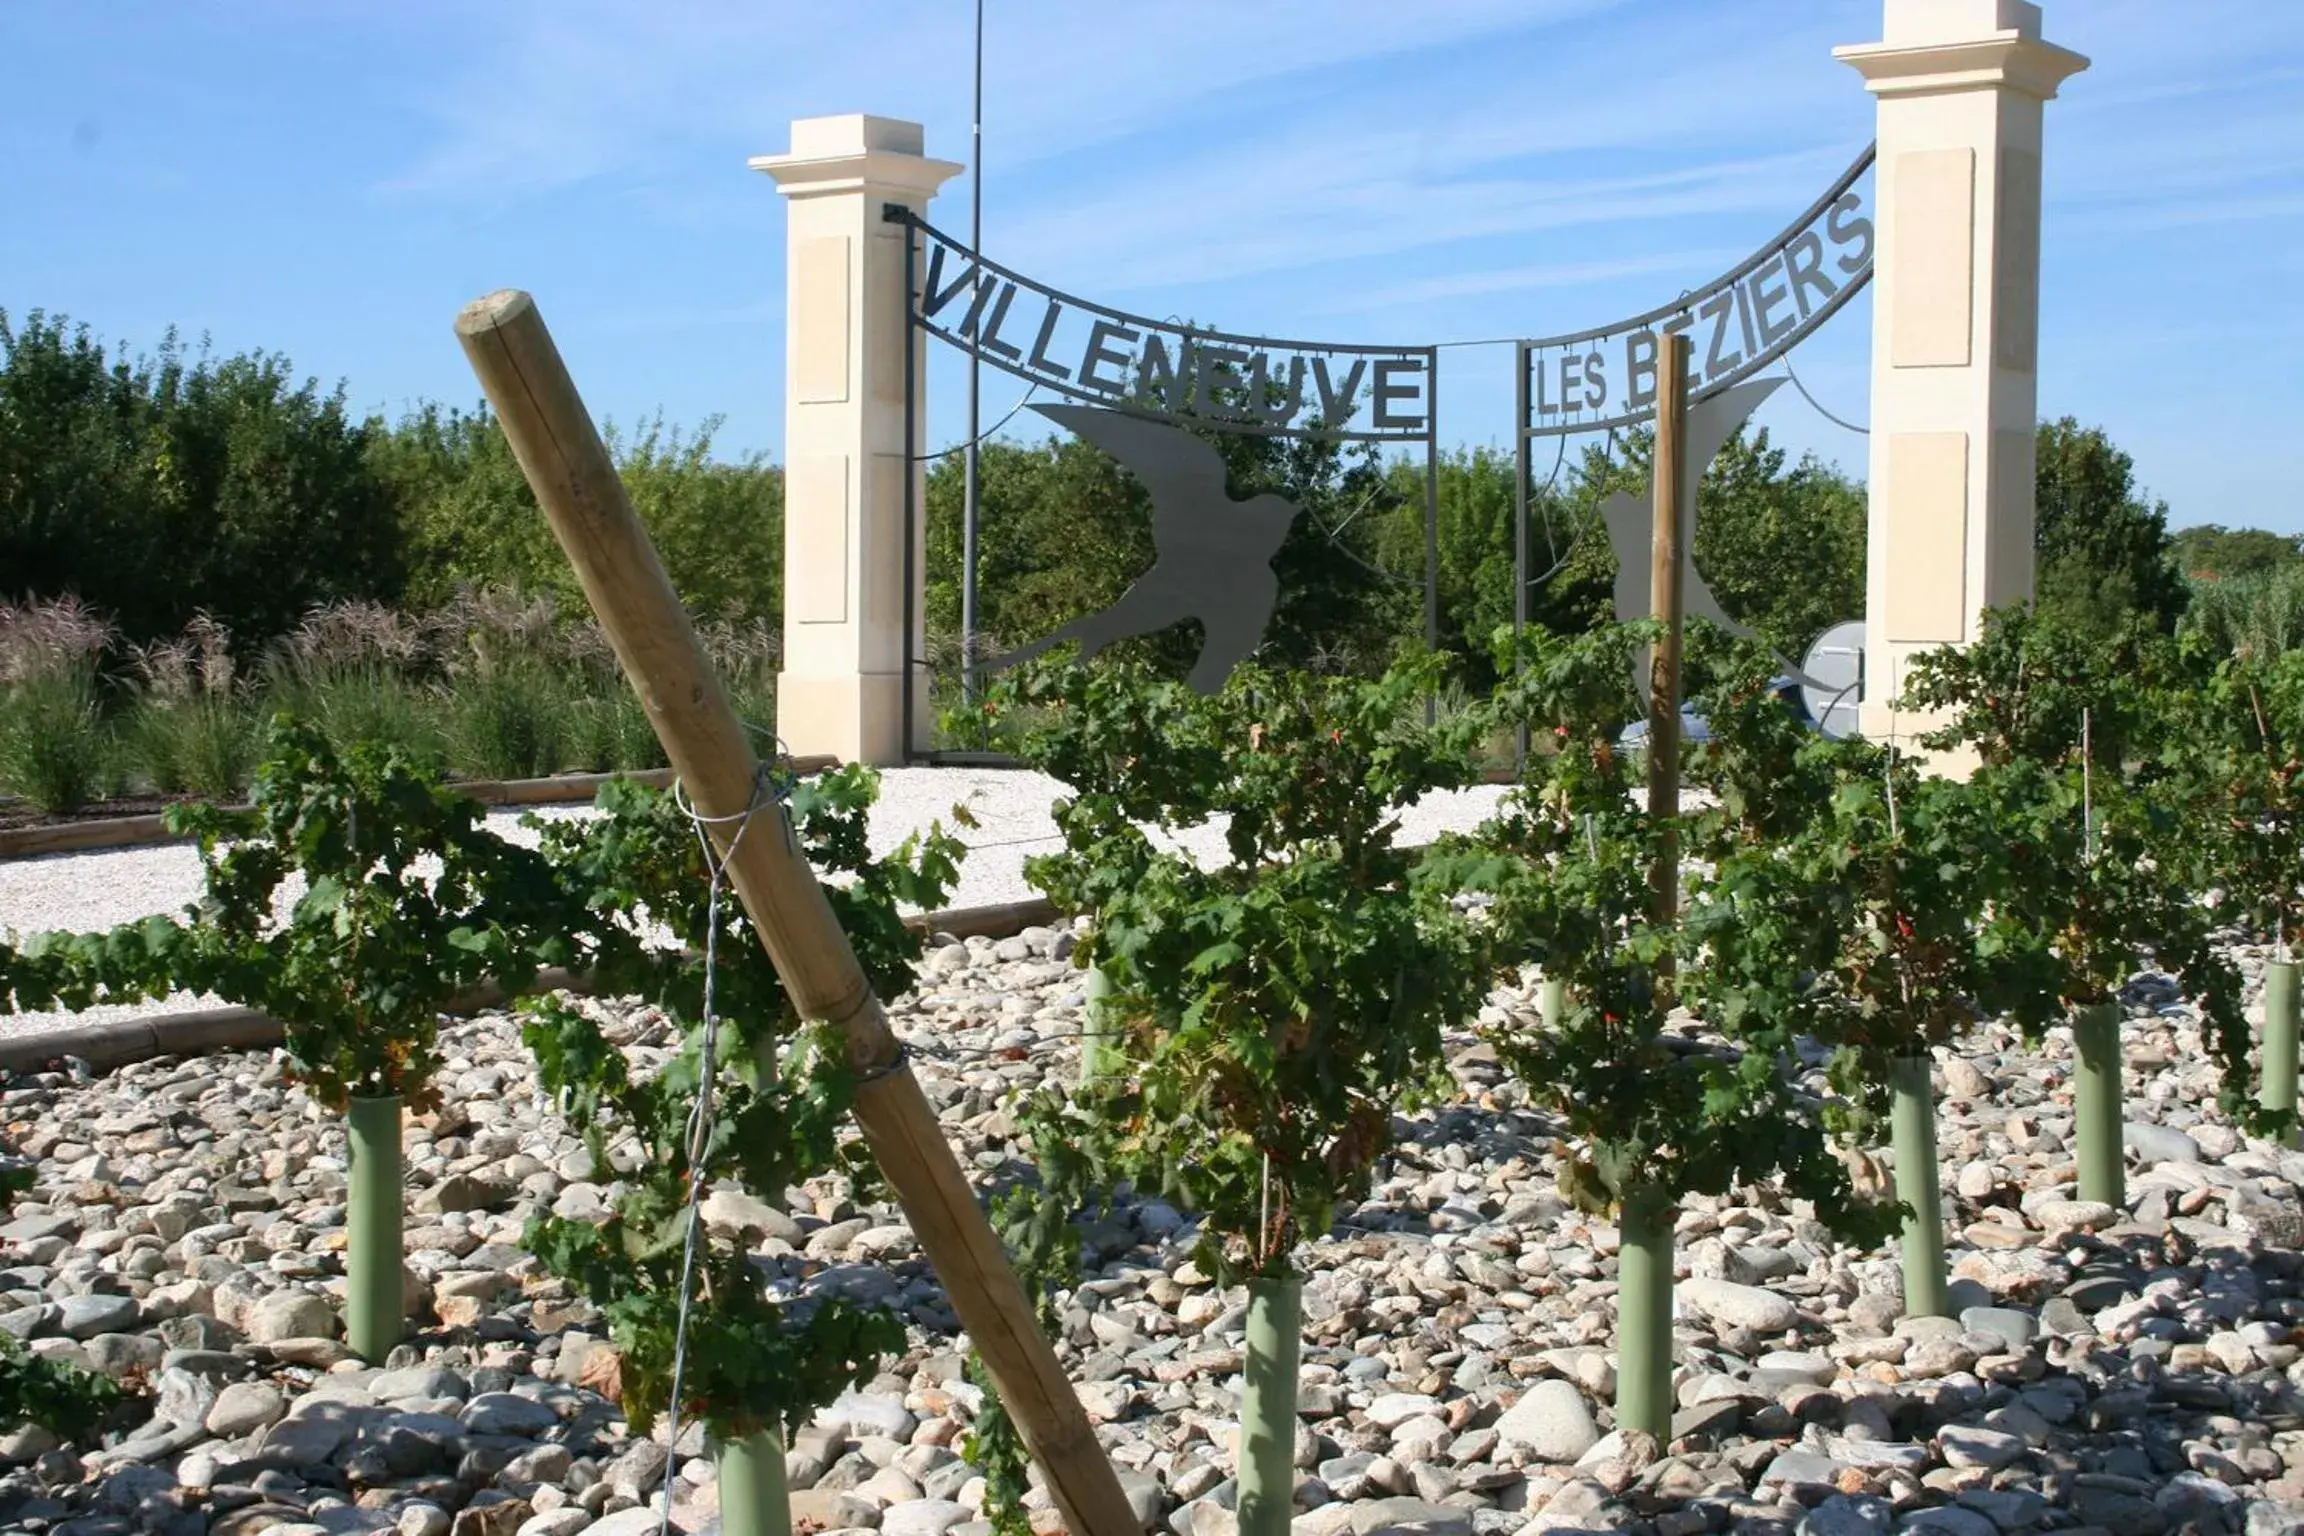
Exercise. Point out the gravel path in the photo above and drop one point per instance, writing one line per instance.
(2129, 1370)
(99, 890)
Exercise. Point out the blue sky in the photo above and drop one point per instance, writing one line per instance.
(335, 181)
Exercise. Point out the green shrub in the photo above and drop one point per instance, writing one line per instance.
(371, 705)
(610, 732)
(55, 746)
(757, 1358)
(353, 671)
(511, 721)
(194, 728)
(746, 655)
(207, 746)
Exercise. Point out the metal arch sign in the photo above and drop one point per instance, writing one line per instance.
(1335, 391)
(1139, 388)
(1737, 324)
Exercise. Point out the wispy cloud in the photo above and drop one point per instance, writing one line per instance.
(758, 313)
(1201, 227)
(2181, 213)
(555, 93)
(1462, 285)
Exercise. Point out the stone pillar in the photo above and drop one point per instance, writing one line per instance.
(846, 457)
(1958, 87)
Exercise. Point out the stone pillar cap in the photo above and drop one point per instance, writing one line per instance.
(854, 150)
(1930, 46)
(1919, 23)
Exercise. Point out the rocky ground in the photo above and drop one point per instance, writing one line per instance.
(2134, 1372)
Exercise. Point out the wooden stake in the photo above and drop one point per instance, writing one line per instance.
(1646, 1213)
(568, 467)
(1668, 473)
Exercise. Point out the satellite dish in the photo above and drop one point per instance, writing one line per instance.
(1835, 679)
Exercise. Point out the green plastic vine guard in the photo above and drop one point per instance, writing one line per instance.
(2278, 1087)
(753, 1497)
(1551, 1000)
(374, 1296)
(1095, 1031)
(2096, 1103)
(1268, 1407)
(1912, 1116)
(1644, 1313)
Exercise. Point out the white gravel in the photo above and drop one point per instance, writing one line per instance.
(85, 891)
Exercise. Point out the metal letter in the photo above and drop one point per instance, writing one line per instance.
(1842, 230)
(990, 340)
(975, 316)
(1387, 392)
(1337, 406)
(1098, 354)
(1571, 378)
(1595, 381)
(1640, 369)
(1681, 322)
(1545, 405)
(1156, 378)
(1765, 299)
(1206, 368)
(1716, 310)
(935, 299)
(1261, 405)
(1040, 358)
(1809, 273)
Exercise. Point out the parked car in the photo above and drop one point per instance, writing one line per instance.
(1694, 728)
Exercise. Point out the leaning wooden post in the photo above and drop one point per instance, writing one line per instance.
(569, 469)
(1644, 1266)
(1667, 561)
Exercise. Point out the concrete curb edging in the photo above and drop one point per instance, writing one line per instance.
(197, 1031)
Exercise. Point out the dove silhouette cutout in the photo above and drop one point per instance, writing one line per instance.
(1631, 522)
(1213, 554)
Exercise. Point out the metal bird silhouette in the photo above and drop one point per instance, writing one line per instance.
(1213, 555)
(1631, 521)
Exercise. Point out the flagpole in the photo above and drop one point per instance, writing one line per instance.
(968, 493)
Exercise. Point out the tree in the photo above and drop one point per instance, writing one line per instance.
(1782, 549)
(2212, 552)
(1064, 529)
(158, 487)
(2103, 551)
(472, 521)
(1477, 556)
(470, 517)
(1867, 922)
(2259, 614)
